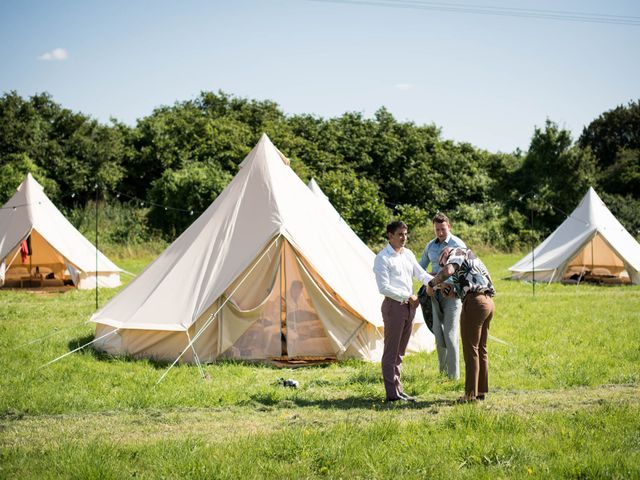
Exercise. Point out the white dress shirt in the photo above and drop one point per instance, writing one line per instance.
(395, 271)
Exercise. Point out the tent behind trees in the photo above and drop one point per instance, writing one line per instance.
(37, 243)
(266, 272)
(590, 243)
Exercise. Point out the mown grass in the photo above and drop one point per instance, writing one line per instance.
(565, 371)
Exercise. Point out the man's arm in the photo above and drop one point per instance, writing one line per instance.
(423, 276)
(444, 273)
(419, 272)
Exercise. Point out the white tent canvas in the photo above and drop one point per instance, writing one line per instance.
(58, 252)
(265, 272)
(590, 241)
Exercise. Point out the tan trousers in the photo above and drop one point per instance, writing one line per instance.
(477, 312)
(398, 320)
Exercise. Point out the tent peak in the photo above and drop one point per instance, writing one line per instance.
(593, 199)
(265, 142)
(264, 146)
(29, 181)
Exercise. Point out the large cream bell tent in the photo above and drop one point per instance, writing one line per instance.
(591, 243)
(38, 245)
(266, 272)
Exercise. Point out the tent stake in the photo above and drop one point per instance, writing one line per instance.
(195, 356)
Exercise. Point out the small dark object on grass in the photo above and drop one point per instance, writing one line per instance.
(288, 383)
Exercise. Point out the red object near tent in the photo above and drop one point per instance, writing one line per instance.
(24, 251)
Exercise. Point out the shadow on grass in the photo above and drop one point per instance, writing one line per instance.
(88, 349)
(368, 403)
(347, 403)
(265, 364)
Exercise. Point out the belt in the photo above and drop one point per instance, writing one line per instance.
(396, 301)
(477, 294)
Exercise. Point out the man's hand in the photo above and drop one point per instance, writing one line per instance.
(429, 291)
(448, 291)
(413, 301)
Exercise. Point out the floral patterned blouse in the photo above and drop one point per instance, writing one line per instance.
(471, 275)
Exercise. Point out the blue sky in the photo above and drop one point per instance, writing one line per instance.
(487, 80)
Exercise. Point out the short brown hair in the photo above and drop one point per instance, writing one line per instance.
(440, 218)
(395, 225)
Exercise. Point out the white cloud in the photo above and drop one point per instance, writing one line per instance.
(404, 86)
(55, 54)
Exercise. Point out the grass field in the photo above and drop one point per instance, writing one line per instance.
(564, 401)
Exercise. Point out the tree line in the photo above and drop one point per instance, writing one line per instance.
(179, 158)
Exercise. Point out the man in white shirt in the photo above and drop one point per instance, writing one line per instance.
(395, 267)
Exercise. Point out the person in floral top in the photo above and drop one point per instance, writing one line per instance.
(473, 285)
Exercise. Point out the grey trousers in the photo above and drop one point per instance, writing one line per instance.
(398, 320)
(446, 329)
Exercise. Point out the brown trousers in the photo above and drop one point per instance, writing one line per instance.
(398, 320)
(477, 312)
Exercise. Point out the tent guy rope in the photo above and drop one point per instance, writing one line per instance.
(80, 347)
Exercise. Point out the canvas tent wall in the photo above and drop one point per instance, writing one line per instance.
(590, 241)
(342, 224)
(56, 248)
(265, 272)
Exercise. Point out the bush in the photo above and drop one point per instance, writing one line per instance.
(358, 202)
(118, 223)
(13, 170)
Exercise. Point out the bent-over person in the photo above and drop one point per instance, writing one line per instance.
(472, 283)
